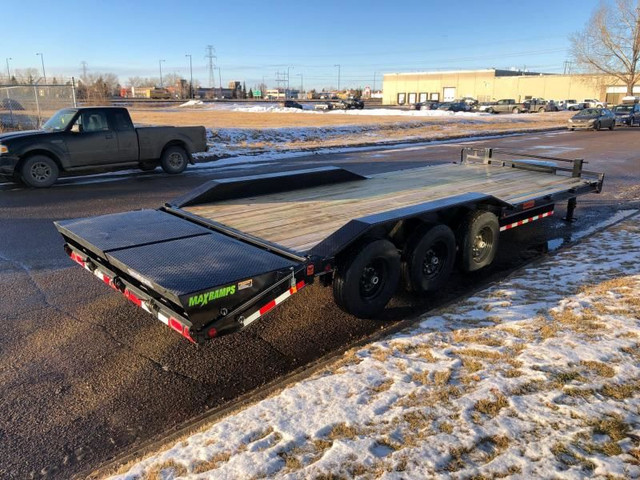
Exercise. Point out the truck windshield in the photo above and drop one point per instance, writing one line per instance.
(59, 121)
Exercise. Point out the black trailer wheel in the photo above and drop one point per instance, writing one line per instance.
(365, 283)
(428, 257)
(39, 171)
(174, 160)
(478, 240)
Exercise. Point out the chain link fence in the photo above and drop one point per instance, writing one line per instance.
(26, 107)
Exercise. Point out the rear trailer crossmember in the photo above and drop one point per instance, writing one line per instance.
(240, 317)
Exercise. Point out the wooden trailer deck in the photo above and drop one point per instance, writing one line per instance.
(300, 219)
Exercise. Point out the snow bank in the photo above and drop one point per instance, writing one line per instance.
(192, 103)
(535, 377)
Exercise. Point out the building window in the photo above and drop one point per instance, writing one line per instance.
(423, 97)
(435, 97)
(412, 98)
(401, 98)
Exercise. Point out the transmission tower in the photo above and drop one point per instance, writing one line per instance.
(84, 69)
(281, 79)
(210, 55)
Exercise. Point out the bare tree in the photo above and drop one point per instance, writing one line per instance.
(26, 75)
(610, 43)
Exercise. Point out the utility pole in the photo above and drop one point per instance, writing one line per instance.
(210, 55)
(43, 72)
(191, 76)
(286, 95)
(281, 79)
(160, 64)
(374, 82)
(301, 82)
(338, 65)
(8, 71)
(84, 70)
(220, 78)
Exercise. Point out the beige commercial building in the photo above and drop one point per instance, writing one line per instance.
(492, 84)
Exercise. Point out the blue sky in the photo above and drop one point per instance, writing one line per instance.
(254, 40)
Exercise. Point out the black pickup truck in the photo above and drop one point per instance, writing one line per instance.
(93, 139)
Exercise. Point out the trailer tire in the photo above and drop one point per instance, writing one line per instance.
(366, 281)
(428, 258)
(174, 159)
(39, 171)
(478, 240)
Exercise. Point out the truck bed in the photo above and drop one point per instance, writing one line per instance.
(300, 219)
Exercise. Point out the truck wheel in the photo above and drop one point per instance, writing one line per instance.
(515, 110)
(428, 257)
(541, 110)
(596, 126)
(489, 110)
(613, 125)
(39, 171)
(478, 240)
(366, 282)
(174, 160)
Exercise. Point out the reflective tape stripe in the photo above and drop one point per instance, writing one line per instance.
(129, 295)
(526, 220)
(269, 306)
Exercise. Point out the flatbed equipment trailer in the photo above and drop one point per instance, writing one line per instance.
(216, 259)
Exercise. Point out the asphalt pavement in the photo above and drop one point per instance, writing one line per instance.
(85, 375)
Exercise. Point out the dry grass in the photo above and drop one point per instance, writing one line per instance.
(212, 463)
(382, 386)
(343, 431)
(384, 127)
(491, 407)
(156, 471)
(599, 368)
(620, 391)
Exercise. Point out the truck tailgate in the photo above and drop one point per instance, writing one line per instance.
(191, 270)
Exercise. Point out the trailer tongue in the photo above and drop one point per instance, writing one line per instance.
(215, 260)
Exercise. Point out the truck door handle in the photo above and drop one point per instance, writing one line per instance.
(108, 135)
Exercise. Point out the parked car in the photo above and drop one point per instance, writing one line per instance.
(571, 104)
(593, 103)
(454, 107)
(506, 105)
(95, 139)
(593, 118)
(291, 104)
(472, 102)
(323, 106)
(627, 114)
(540, 105)
(486, 106)
(10, 104)
(349, 104)
(426, 105)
